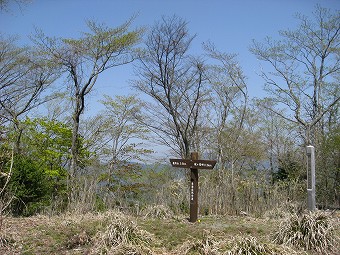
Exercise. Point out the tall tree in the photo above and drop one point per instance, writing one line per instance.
(174, 79)
(4, 4)
(24, 78)
(305, 69)
(121, 142)
(83, 60)
(305, 79)
(228, 102)
(13, 67)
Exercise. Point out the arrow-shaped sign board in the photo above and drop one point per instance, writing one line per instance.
(196, 164)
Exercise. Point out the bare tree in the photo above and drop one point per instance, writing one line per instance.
(119, 142)
(228, 103)
(13, 67)
(24, 77)
(175, 81)
(83, 60)
(305, 79)
(4, 4)
(5, 197)
(306, 65)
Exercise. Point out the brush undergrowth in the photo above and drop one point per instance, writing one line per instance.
(238, 245)
(250, 245)
(122, 236)
(208, 245)
(312, 231)
(158, 212)
(115, 233)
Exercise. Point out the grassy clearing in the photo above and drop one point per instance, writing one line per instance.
(115, 233)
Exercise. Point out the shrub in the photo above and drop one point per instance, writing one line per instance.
(30, 186)
(310, 231)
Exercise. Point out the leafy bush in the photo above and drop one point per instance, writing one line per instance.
(30, 186)
(310, 231)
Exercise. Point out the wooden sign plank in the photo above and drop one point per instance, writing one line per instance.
(189, 163)
(203, 164)
(183, 163)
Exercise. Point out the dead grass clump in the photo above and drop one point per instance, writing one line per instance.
(128, 249)
(122, 235)
(244, 245)
(7, 244)
(282, 211)
(249, 245)
(71, 218)
(78, 240)
(310, 231)
(208, 245)
(6, 241)
(158, 212)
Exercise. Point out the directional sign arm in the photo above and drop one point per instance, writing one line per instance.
(195, 164)
(183, 163)
(203, 164)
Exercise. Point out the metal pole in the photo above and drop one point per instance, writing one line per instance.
(193, 190)
(311, 178)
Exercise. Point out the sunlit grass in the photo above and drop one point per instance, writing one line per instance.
(310, 231)
(113, 232)
(122, 236)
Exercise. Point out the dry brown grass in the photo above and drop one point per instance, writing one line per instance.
(311, 231)
(122, 236)
(250, 245)
(158, 212)
(208, 245)
(115, 233)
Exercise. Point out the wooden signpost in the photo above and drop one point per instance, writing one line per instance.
(194, 164)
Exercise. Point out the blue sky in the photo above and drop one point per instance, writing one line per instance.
(230, 24)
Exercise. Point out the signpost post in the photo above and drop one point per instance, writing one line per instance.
(194, 164)
(311, 178)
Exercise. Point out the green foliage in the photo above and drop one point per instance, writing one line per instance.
(5, 155)
(48, 141)
(30, 185)
(328, 170)
(290, 168)
(39, 173)
(125, 180)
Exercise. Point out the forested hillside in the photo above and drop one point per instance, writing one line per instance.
(56, 158)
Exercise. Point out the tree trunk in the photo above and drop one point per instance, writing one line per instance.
(75, 139)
